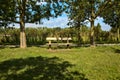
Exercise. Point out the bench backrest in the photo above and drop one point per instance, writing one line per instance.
(55, 39)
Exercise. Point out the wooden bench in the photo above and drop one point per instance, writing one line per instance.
(50, 39)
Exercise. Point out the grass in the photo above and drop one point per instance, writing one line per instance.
(85, 63)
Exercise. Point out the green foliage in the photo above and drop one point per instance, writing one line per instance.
(6, 10)
(78, 11)
(81, 10)
(98, 31)
(37, 36)
(28, 11)
(111, 16)
(10, 10)
(9, 36)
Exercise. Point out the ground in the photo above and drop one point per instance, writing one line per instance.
(83, 63)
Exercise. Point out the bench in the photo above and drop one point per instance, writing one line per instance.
(50, 39)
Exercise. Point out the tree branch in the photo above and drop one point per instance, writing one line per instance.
(8, 19)
(103, 8)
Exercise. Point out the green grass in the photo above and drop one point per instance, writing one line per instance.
(85, 63)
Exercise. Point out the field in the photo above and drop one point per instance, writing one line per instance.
(83, 63)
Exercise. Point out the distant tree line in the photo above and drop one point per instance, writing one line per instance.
(37, 36)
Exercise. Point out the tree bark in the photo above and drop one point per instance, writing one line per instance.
(22, 40)
(22, 34)
(22, 25)
(118, 33)
(79, 36)
(92, 42)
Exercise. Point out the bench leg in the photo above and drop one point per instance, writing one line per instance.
(49, 46)
(68, 46)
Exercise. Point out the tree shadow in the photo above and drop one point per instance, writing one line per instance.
(117, 51)
(38, 68)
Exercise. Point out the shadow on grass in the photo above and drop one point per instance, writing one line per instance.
(38, 68)
(117, 51)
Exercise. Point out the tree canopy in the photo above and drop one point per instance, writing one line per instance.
(87, 10)
(28, 11)
(112, 16)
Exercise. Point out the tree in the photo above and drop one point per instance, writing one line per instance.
(28, 11)
(5, 12)
(77, 24)
(112, 17)
(91, 9)
(76, 17)
(98, 31)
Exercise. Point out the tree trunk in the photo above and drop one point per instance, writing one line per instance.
(22, 35)
(118, 34)
(79, 36)
(22, 40)
(92, 41)
(22, 25)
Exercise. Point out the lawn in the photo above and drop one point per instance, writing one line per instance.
(83, 63)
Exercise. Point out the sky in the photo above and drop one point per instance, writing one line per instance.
(62, 21)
